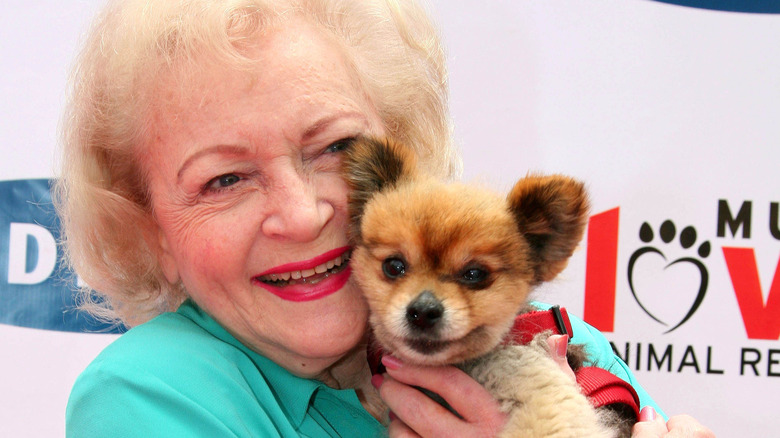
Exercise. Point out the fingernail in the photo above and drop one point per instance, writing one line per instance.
(561, 345)
(391, 362)
(647, 414)
(377, 380)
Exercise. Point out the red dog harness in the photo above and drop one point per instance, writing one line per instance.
(600, 386)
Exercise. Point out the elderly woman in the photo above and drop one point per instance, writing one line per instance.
(202, 203)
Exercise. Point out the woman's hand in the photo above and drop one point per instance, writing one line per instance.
(414, 414)
(651, 425)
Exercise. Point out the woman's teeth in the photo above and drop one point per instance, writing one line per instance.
(308, 276)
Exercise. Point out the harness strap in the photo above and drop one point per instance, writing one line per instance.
(528, 325)
(604, 388)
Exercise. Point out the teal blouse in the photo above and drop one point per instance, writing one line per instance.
(182, 375)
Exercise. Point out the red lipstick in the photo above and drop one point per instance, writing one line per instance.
(310, 288)
(306, 264)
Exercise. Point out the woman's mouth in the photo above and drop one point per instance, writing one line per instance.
(308, 280)
(308, 276)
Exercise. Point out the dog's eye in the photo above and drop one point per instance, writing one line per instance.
(473, 276)
(394, 267)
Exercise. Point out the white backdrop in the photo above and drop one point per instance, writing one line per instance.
(669, 113)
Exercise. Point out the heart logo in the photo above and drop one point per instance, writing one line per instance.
(659, 286)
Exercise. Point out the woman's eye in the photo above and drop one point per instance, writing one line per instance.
(223, 181)
(340, 145)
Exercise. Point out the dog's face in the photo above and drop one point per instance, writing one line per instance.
(445, 268)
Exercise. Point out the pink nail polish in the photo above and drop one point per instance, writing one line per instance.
(647, 414)
(392, 362)
(377, 380)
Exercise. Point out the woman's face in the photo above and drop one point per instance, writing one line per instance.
(245, 184)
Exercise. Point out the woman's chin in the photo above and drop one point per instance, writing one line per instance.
(334, 326)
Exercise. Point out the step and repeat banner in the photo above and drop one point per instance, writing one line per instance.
(667, 110)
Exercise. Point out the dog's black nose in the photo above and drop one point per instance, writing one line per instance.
(425, 311)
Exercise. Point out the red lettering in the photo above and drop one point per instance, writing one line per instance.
(601, 270)
(761, 321)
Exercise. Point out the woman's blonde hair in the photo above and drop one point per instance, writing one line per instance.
(108, 228)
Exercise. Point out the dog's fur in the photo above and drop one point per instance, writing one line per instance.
(446, 268)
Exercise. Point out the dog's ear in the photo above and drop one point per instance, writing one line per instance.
(551, 213)
(371, 165)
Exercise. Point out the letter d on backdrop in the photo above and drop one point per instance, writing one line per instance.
(32, 254)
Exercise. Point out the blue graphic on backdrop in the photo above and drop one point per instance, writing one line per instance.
(36, 289)
(752, 6)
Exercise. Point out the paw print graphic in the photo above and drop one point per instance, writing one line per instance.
(692, 255)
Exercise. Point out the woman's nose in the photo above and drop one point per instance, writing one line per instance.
(295, 211)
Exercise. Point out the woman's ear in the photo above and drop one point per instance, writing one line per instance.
(167, 260)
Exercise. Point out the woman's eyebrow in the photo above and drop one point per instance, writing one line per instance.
(223, 149)
(323, 123)
(312, 131)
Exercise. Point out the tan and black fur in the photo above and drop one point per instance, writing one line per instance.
(446, 267)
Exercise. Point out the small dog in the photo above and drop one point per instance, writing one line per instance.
(446, 268)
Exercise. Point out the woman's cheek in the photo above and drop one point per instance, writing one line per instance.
(199, 238)
(335, 189)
